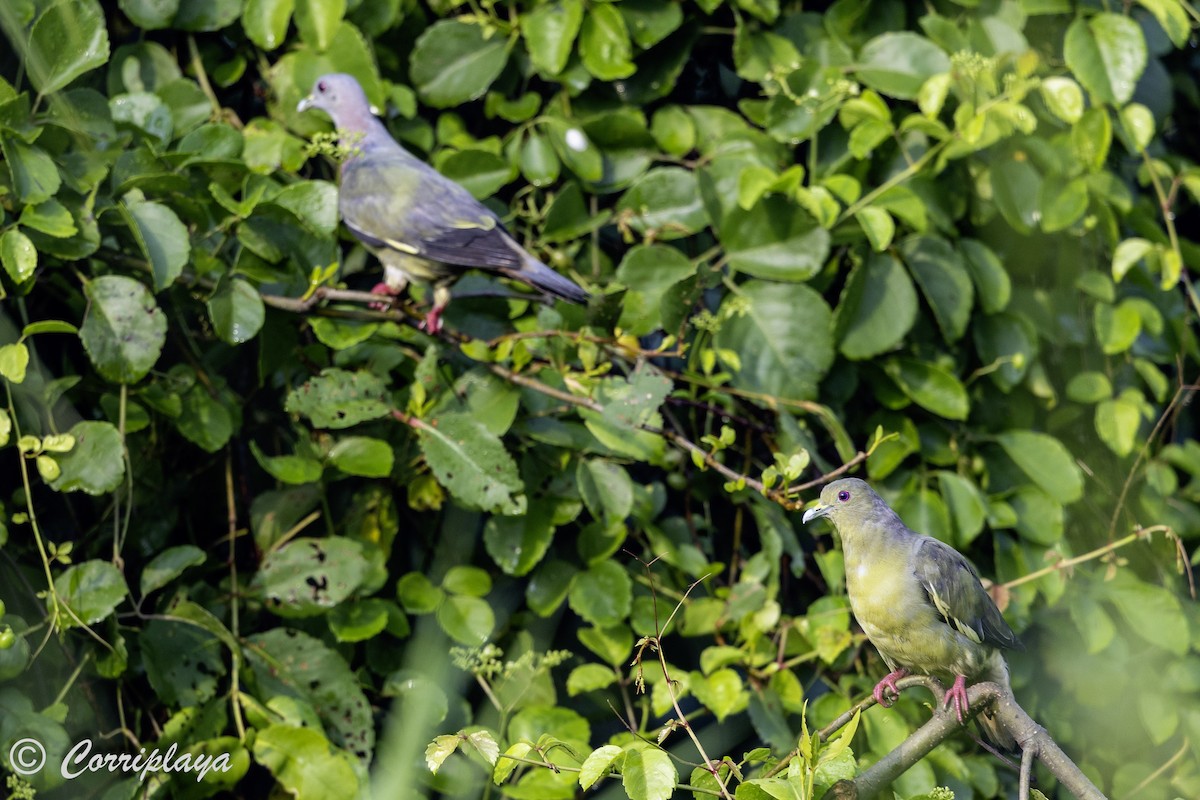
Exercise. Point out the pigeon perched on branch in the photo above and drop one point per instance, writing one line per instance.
(421, 225)
(919, 601)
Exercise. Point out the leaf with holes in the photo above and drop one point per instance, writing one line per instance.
(307, 577)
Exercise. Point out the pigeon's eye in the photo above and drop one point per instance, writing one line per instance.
(322, 87)
(843, 496)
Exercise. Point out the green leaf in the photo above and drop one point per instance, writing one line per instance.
(598, 764)
(470, 581)
(898, 63)
(161, 237)
(483, 173)
(169, 565)
(992, 284)
(183, 662)
(723, 692)
(1046, 461)
(651, 21)
(14, 360)
(18, 255)
(606, 489)
(34, 175)
(549, 31)
(1127, 254)
(942, 275)
(604, 43)
(51, 218)
(92, 590)
(1107, 53)
(930, 386)
(650, 271)
(1063, 97)
(1015, 181)
(539, 162)
(306, 577)
(966, 505)
(455, 61)
(1153, 612)
(1089, 387)
(1117, 327)
(784, 341)
(266, 21)
(124, 330)
(318, 21)
(602, 594)
(67, 40)
(339, 399)
(417, 593)
(96, 464)
(648, 774)
(150, 14)
(776, 240)
(206, 15)
(589, 678)
(878, 225)
(363, 456)
(236, 310)
(471, 462)
(877, 308)
(665, 202)
(1118, 421)
(359, 620)
(518, 544)
(467, 620)
(304, 763)
(289, 662)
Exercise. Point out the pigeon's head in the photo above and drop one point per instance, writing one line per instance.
(846, 500)
(339, 95)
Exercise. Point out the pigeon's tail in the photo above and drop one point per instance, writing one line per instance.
(538, 275)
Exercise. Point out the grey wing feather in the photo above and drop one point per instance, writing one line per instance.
(953, 587)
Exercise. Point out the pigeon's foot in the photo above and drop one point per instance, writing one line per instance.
(383, 290)
(433, 320)
(889, 684)
(957, 694)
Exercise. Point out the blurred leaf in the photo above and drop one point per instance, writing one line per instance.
(18, 255)
(648, 774)
(362, 455)
(1046, 461)
(306, 577)
(776, 240)
(604, 43)
(339, 399)
(941, 273)
(897, 63)
(67, 40)
(96, 464)
(91, 590)
(1107, 53)
(236, 310)
(266, 21)
(34, 175)
(455, 61)
(169, 565)
(303, 762)
(549, 31)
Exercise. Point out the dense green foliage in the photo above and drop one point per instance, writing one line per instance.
(942, 244)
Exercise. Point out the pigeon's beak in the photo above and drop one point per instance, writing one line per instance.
(305, 104)
(816, 512)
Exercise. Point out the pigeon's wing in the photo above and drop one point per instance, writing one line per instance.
(395, 200)
(953, 588)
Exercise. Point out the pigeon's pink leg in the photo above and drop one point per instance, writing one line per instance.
(888, 683)
(957, 694)
(433, 319)
(383, 290)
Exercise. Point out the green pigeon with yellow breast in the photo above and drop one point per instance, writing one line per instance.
(420, 224)
(918, 600)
